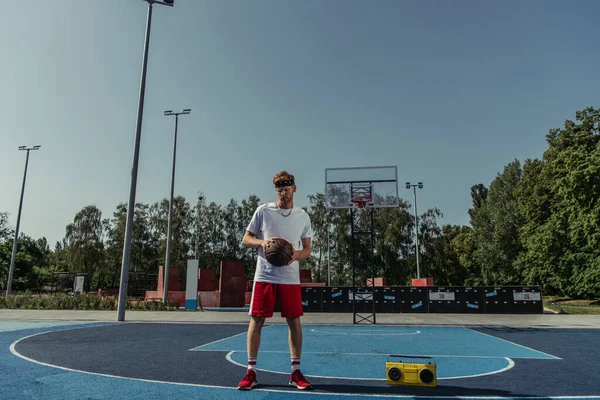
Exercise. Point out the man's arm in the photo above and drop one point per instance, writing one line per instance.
(304, 253)
(250, 240)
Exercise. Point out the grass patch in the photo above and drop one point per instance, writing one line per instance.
(572, 306)
(589, 310)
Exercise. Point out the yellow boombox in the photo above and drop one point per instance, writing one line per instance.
(400, 372)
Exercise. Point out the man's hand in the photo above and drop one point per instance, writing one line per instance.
(295, 256)
(266, 242)
(301, 254)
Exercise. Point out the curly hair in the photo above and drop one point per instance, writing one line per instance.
(283, 176)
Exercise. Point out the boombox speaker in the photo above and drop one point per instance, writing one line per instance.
(410, 370)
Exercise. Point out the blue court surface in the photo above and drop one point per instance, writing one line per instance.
(205, 361)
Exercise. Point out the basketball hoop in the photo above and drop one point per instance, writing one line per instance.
(360, 201)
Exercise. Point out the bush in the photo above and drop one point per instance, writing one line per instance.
(60, 301)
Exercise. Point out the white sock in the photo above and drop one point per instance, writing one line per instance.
(295, 364)
(252, 363)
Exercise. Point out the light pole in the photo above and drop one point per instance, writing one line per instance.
(327, 223)
(420, 186)
(200, 198)
(134, 169)
(169, 229)
(14, 249)
(328, 255)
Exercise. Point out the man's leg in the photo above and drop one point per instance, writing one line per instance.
(254, 330)
(291, 309)
(295, 336)
(261, 307)
(295, 340)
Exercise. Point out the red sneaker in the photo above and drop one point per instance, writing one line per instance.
(298, 380)
(249, 381)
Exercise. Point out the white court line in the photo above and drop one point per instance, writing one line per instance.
(199, 348)
(511, 364)
(380, 354)
(366, 334)
(516, 344)
(354, 395)
(13, 326)
(368, 354)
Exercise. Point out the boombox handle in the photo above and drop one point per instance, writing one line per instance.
(407, 356)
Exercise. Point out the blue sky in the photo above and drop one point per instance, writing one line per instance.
(448, 91)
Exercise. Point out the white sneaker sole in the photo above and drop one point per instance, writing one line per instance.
(248, 388)
(300, 388)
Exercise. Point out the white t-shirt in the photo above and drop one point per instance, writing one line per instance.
(269, 221)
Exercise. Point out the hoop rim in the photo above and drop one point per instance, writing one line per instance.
(361, 201)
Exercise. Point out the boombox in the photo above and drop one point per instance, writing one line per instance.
(401, 371)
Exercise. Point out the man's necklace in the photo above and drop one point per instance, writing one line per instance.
(281, 213)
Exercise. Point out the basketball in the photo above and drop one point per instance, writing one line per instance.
(279, 252)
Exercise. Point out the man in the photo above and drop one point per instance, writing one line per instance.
(279, 219)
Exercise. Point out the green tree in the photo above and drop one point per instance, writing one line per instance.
(85, 247)
(340, 269)
(232, 250)
(115, 237)
(181, 235)
(394, 247)
(200, 238)
(144, 245)
(496, 220)
(58, 260)
(5, 230)
(244, 215)
(429, 234)
(214, 223)
(444, 256)
(463, 245)
(319, 216)
(30, 270)
(559, 197)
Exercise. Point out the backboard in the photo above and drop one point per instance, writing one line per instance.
(379, 184)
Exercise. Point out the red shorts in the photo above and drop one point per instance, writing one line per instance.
(265, 295)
